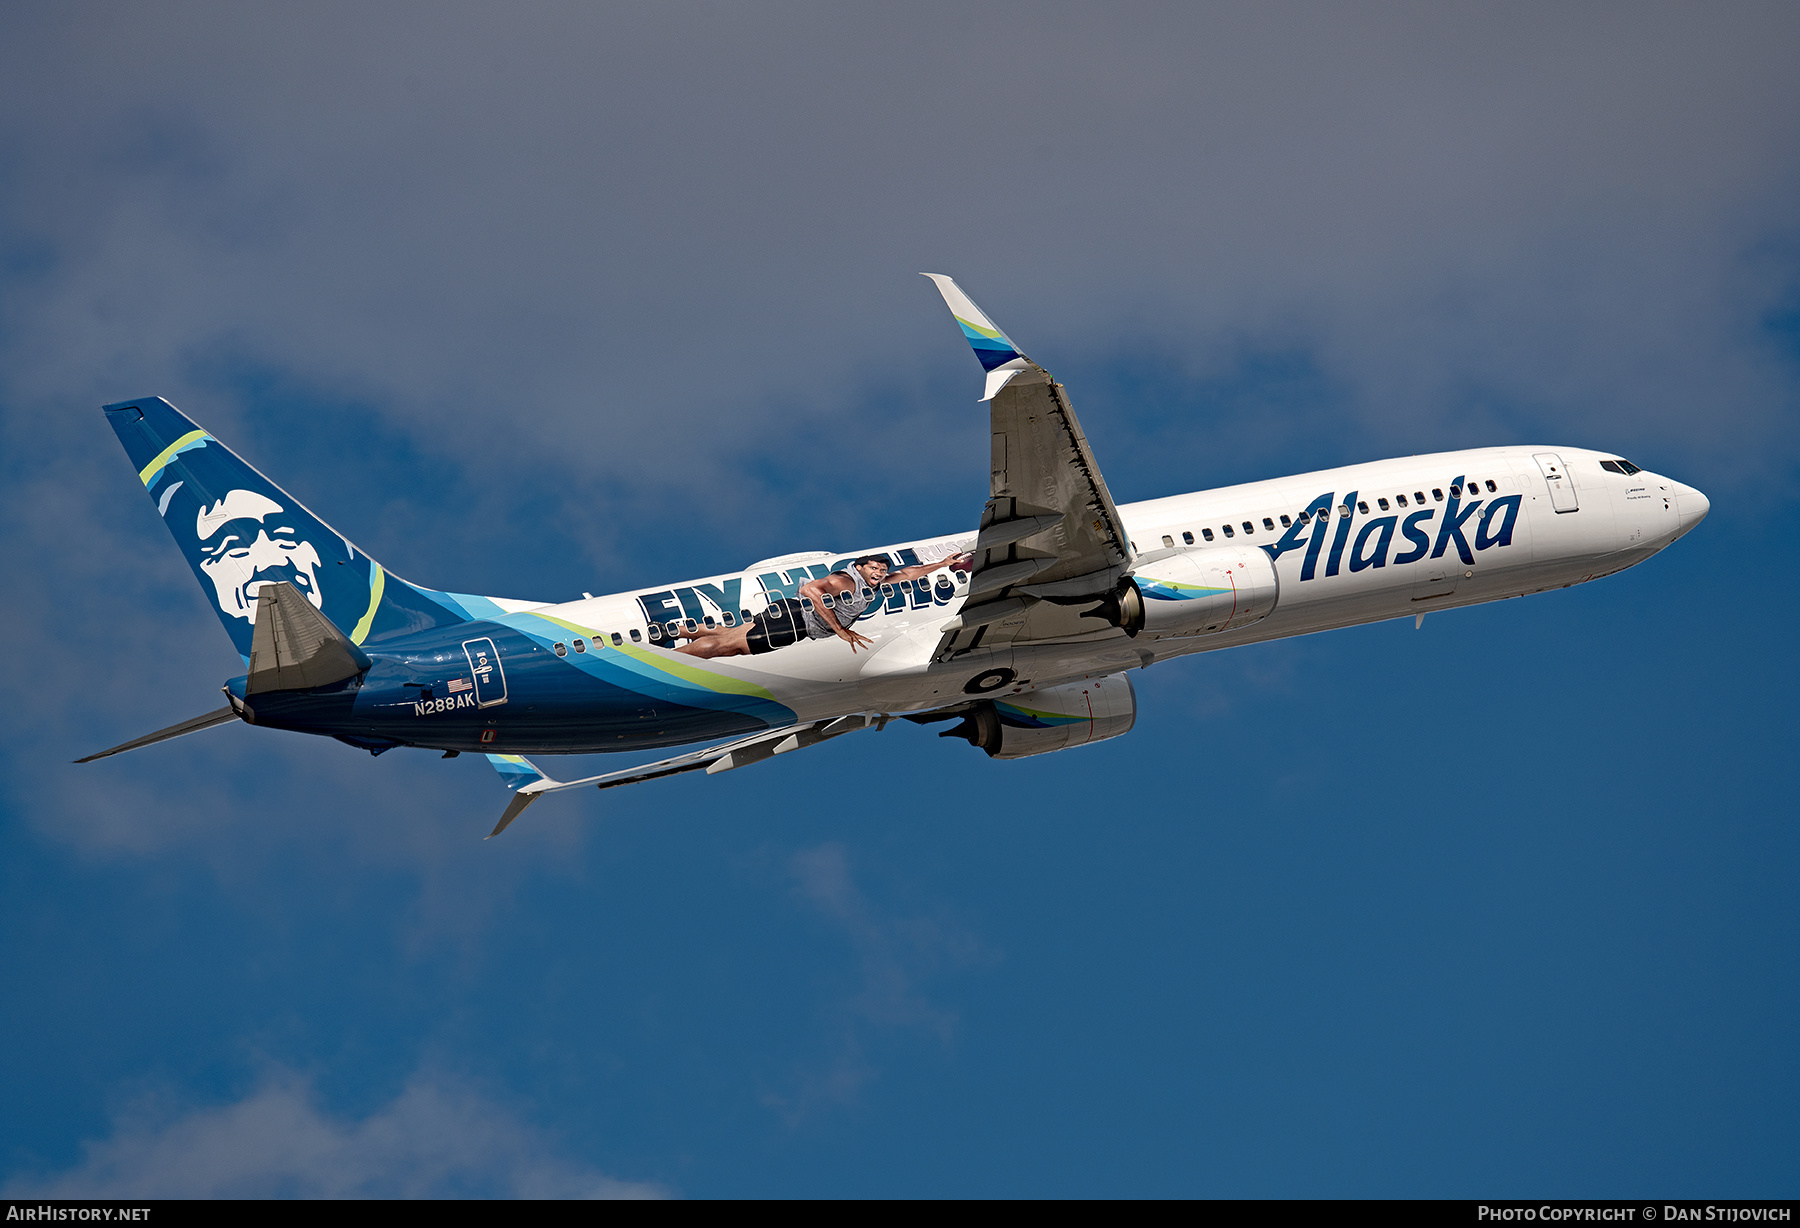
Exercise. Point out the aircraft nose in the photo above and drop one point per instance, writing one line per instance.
(1691, 506)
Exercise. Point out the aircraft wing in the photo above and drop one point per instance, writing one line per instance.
(529, 783)
(1052, 551)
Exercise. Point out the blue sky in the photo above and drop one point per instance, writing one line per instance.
(531, 302)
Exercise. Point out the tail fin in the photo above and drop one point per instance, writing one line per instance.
(240, 531)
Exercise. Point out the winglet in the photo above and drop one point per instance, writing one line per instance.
(999, 357)
(520, 774)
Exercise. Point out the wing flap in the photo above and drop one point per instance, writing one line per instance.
(1052, 550)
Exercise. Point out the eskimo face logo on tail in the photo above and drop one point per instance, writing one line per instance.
(241, 549)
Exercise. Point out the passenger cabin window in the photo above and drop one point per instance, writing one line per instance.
(1206, 533)
(618, 639)
(1343, 509)
(1286, 523)
(1363, 508)
(1268, 524)
(562, 650)
(728, 618)
(1491, 487)
(1228, 532)
(580, 646)
(1401, 499)
(635, 637)
(1419, 497)
(1382, 504)
(1435, 494)
(1455, 491)
(1167, 540)
(1248, 528)
(1188, 538)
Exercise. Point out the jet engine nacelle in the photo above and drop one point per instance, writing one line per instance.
(1053, 718)
(1199, 592)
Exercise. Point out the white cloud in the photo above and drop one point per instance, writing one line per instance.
(438, 1138)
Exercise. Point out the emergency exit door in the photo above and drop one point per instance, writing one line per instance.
(1556, 477)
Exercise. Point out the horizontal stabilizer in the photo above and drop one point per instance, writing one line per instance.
(516, 772)
(294, 646)
(514, 809)
(173, 731)
(520, 774)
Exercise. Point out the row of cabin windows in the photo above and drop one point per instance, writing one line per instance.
(1362, 506)
(659, 631)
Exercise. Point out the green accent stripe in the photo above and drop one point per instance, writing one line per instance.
(692, 675)
(577, 628)
(376, 588)
(697, 676)
(992, 334)
(148, 472)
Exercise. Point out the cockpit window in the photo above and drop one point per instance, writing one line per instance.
(1620, 466)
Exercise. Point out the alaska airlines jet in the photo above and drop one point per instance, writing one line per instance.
(1022, 629)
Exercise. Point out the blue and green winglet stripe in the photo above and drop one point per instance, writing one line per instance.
(992, 347)
(515, 770)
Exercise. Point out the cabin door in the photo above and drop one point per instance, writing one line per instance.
(1556, 477)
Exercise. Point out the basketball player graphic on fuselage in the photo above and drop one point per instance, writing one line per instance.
(826, 608)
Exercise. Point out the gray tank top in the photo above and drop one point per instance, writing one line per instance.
(848, 606)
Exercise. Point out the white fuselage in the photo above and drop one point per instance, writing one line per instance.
(1609, 521)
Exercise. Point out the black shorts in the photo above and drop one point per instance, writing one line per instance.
(778, 626)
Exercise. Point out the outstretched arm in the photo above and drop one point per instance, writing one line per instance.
(956, 562)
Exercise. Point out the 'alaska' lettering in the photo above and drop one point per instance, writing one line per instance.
(1383, 525)
(1343, 533)
(1418, 537)
(1510, 505)
(1453, 523)
(1494, 522)
(1291, 540)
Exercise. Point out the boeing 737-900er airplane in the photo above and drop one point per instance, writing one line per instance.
(1023, 628)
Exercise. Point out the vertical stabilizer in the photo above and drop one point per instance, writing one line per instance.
(240, 532)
